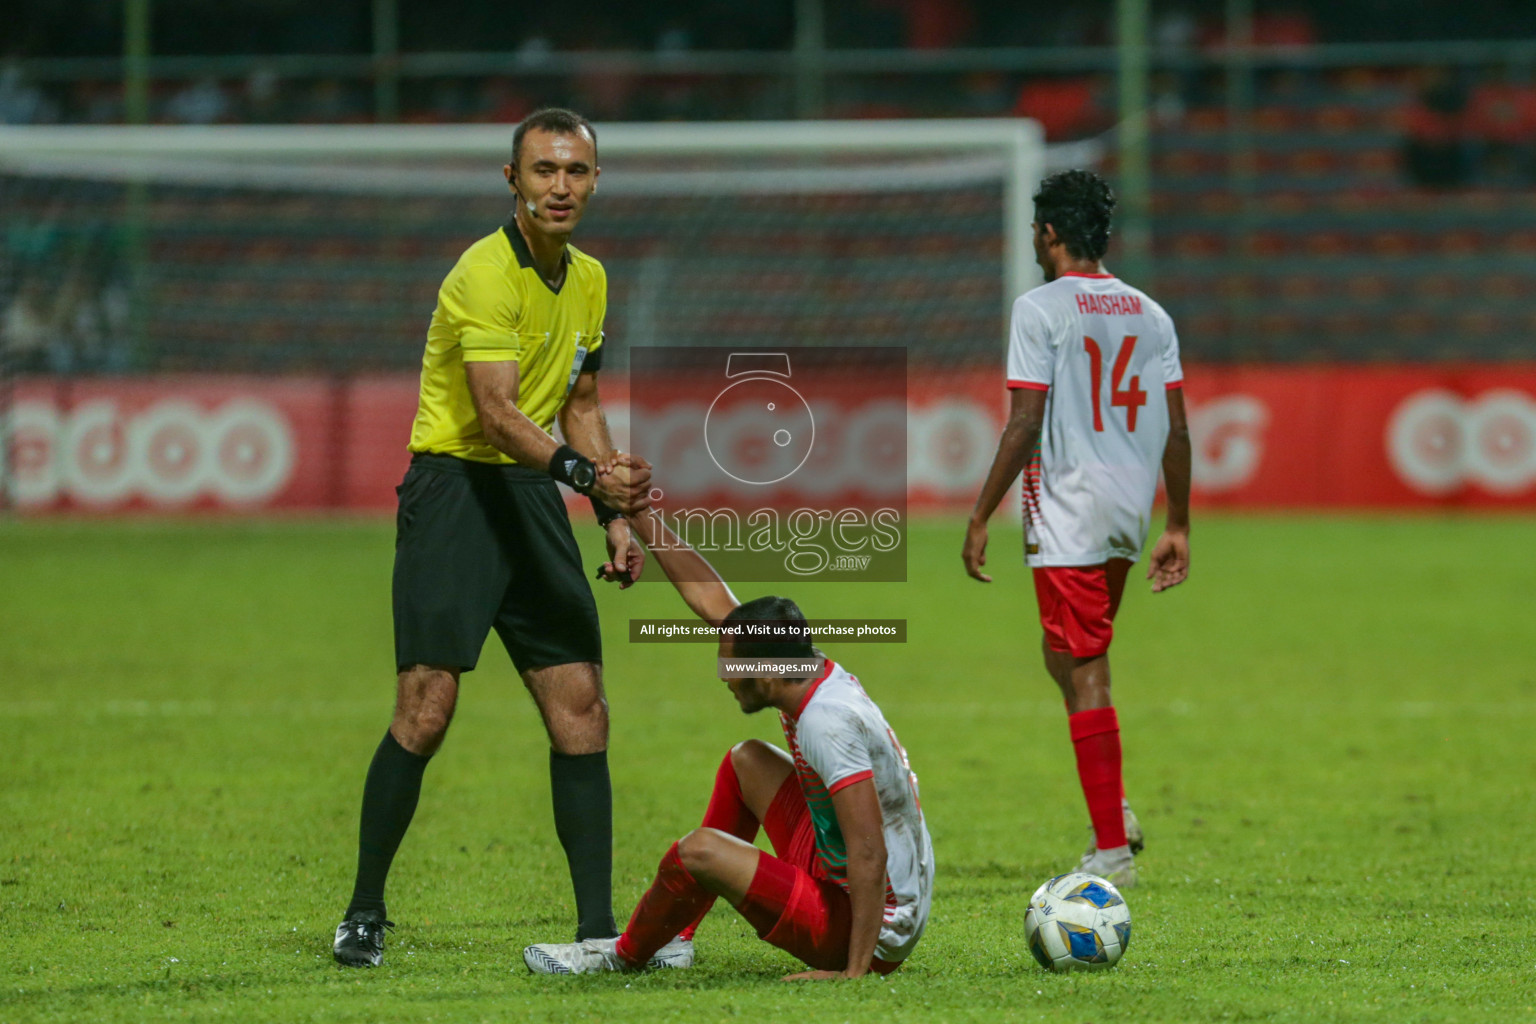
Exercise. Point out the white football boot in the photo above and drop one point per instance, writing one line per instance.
(1118, 865)
(585, 957)
(592, 955)
(677, 953)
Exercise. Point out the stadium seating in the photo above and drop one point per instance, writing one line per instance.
(1310, 244)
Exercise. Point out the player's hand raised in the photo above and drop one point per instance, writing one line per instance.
(624, 483)
(1168, 565)
(974, 554)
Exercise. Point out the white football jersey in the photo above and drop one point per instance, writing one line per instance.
(837, 738)
(1106, 353)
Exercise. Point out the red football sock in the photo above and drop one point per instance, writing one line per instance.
(1096, 738)
(674, 899)
(728, 813)
(773, 885)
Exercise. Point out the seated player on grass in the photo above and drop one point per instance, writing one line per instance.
(848, 887)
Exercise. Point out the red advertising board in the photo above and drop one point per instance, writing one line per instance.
(1365, 437)
(172, 443)
(1265, 437)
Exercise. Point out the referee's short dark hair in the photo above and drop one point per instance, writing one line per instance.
(1078, 204)
(793, 633)
(551, 119)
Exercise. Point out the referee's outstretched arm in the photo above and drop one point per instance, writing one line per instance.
(494, 388)
(583, 423)
(695, 579)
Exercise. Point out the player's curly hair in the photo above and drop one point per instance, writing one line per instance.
(551, 119)
(782, 613)
(1078, 204)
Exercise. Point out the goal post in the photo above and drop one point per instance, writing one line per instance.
(924, 168)
(235, 315)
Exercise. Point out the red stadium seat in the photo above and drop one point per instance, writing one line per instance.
(1199, 244)
(1311, 163)
(1459, 242)
(1477, 323)
(1521, 242)
(1300, 288)
(1367, 289)
(1189, 162)
(1331, 243)
(1395, 244)
(1288, 202)
(1217, 203)
(1276, 119)
(1268, 243)
(1340, 119)
(1206, 121)
(1506, 287)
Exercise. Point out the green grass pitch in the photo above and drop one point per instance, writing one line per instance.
(1329, 737)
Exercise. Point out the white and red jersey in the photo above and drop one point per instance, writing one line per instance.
(838, 737)
(1106, 353)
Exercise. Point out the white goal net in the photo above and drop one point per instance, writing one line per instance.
(305, 249)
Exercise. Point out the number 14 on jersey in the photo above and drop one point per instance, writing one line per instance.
(1122, 393)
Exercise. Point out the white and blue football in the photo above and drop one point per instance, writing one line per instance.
(1077, 922)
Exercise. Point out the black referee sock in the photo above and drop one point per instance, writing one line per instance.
(583, 798)
(389, 802)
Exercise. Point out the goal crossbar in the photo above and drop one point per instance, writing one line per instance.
(1009, 151)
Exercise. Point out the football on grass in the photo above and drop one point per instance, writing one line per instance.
(1077, 922)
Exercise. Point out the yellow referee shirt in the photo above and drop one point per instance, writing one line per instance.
(493, 307)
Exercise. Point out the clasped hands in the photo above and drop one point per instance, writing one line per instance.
(623, 483)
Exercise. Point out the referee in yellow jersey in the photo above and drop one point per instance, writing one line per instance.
(482, 536)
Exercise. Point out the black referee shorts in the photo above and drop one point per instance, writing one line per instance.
(480, 546)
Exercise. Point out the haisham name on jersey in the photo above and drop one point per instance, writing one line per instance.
(1109, 305)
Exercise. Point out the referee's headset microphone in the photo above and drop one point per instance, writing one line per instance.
(533, 211)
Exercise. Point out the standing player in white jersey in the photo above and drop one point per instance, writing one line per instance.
(1096, 405)
(850, 881)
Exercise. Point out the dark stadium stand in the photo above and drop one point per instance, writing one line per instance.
(1308, 232)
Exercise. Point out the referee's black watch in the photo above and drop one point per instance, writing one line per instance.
(571, 467)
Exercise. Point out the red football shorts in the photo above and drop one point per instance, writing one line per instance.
(815, 915)
(1078, 605)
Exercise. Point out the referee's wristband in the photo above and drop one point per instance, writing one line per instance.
(570, 467)
(604, 513)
